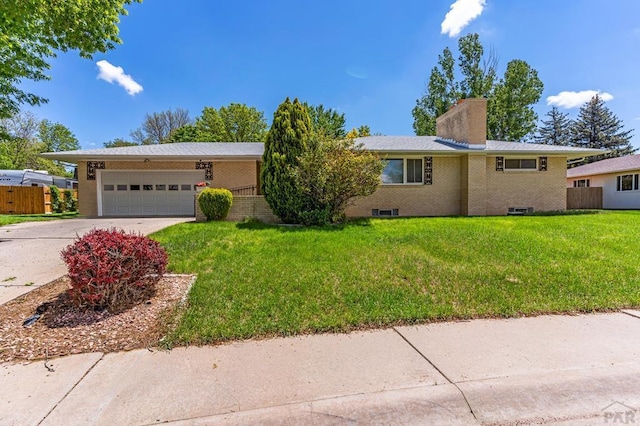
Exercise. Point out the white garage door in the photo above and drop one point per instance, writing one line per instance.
(149, 193)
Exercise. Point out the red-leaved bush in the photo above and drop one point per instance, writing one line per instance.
(110, 269)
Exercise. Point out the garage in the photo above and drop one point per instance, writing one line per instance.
(148, 193)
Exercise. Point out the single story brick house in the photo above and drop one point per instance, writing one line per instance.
(457, 172)
(618, 178)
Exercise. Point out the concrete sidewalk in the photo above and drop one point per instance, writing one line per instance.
(569, 370)
(30, 251)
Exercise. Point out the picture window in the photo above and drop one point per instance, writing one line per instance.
(402, 171)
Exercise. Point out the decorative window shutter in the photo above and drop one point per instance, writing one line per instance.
(207, 166)
(92, 166)
(542, 164)
(428, 170)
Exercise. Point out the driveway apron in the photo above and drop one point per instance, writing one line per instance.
(30, 251)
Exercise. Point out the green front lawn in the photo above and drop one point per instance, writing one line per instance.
(8, 219)
(260, 280)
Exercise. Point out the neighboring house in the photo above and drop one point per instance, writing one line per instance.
(618, 177)
(33, 178)
(457, 172)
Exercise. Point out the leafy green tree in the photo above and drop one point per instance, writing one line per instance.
(286, 142)
(57, 137)
(510, 115)
(330, 174)
(34, 31)
(119, 142)
(479, 73)
(442, 91)
(242, 123)
(158, 126)
(209, 126)
(509, 99)
(556, 130)
(20, 145)
(232, 123)
(326, 122)
(597, 127)
(360, 132)
(186, 133)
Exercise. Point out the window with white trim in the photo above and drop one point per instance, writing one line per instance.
(402, 171)
(627, 183)
(582, 183)
(520, 164)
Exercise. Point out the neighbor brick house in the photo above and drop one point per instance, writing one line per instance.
(457, 172)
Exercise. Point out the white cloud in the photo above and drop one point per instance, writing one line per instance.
(462, 12)
(111, 73)
(576, 99)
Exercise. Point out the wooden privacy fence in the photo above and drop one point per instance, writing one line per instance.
(26, 199)
(584, 198)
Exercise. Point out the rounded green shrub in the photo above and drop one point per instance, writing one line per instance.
(215, 203)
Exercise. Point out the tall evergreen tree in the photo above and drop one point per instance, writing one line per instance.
(597, 127)
(556, 130)
(286, 142)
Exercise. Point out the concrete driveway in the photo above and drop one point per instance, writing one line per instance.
(30, 252)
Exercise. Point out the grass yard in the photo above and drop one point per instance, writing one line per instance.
(260, 280)
(8, 219)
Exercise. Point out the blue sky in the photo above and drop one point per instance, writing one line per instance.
(369, 59)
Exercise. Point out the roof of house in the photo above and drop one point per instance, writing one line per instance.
(254, 150)
(610, 165)
(184, 150)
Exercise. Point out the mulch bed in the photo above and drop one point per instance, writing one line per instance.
(63, 329)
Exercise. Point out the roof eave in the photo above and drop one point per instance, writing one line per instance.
(166, 158)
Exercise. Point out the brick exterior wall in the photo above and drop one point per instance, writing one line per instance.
(465, 122)
(542, 190)
(226, 174)
(442, 198)
(470, 185)
(245, 206)
(474, 185)
(467, 185)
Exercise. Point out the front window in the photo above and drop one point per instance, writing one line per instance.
(401, 171)
(520, 164)
(627, 182)
(393, 171)
(414, 171)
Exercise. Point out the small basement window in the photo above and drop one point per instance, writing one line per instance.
(384, 212)
(520, 164)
